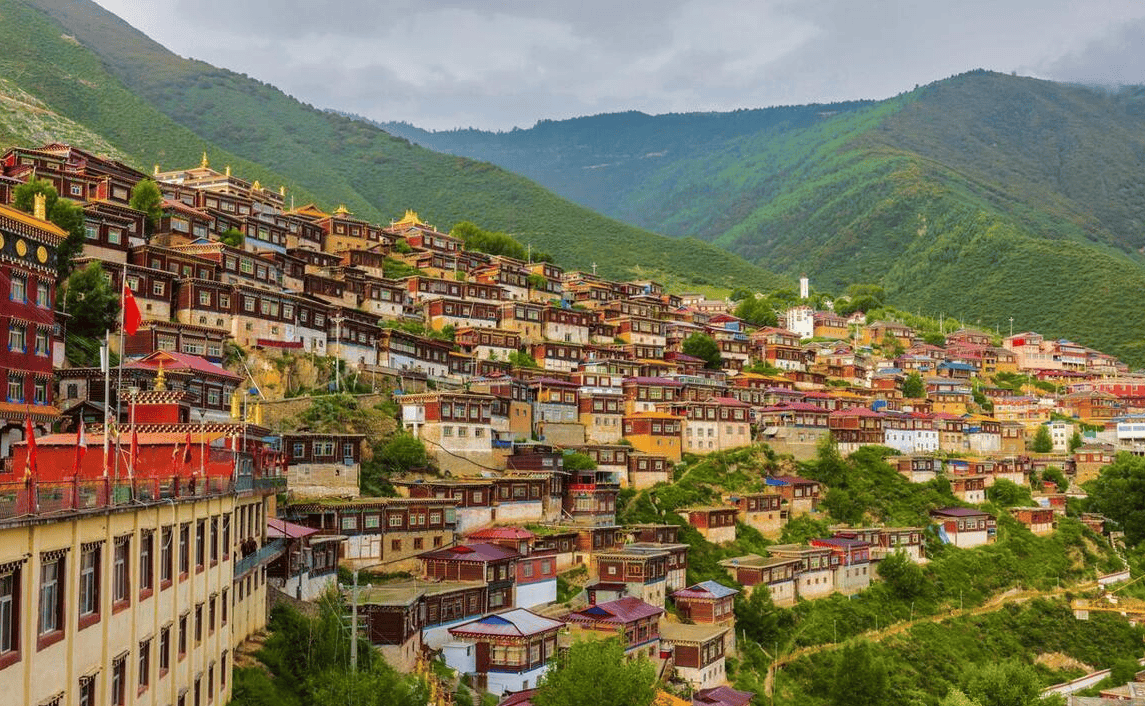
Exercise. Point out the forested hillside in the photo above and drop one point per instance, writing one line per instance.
(88, 66)
(983, 196)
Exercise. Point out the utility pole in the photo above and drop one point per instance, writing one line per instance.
(1011, 326)
(338, 358)
(354, 626)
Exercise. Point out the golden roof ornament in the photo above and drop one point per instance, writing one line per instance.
(228, 168)
(257, 186)
(204, 164)
(161, 379)
(341, 210)
(410, 219)
(156, 169)
(40, 207)
(282, 191)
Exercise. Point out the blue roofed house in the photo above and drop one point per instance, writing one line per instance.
(505, 652)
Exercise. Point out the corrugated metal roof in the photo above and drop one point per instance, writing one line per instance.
(622, 610)
(705, 589)
(514, 623)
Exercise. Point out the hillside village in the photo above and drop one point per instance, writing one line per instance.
(545, 401)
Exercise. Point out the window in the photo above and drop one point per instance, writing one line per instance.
(164, 650)
(144, 664)
(157, 288)
(211, 616)
(118, 685)
(224, 605)
(200, 544)
(165, 557)
(121, 567)
(43, 295)
(40, 392)
(204, 298)
(43, 342)
(182, 636)
(87, 691)
(89, 584)
(9, 613)
(214, 541)
(184, 548)
(19, 290)
(17, 338)
(198, 623)
(51, 594)
(146, 551)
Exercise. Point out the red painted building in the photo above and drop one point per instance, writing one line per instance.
(27, 319)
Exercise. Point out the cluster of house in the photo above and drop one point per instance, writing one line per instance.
(517, 363)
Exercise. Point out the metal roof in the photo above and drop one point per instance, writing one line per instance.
(514, 623)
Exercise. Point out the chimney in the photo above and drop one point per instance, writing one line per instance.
(40, 207)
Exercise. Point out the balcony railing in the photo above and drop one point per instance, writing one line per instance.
(32, 498)
(264, 555)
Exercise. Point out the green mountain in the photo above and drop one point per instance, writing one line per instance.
(91, 69)
(983, 196)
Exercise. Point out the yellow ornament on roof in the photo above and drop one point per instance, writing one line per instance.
(257, 185)
(341, 210)
(204, 164)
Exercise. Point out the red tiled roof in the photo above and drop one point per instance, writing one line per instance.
(281, 528)
(480, 551)
(622, 610)
(173, 360)
(502, 533)
(722, 696)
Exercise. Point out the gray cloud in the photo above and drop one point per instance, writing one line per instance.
(509, 63)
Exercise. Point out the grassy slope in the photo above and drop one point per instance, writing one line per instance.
(983, 196)
(335, 159)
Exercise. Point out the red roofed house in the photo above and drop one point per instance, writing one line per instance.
(714, 424)
(491, 563)
(536, 571)
(710, 603)
(1040, 520)
(855, 427)
(964, 527)
(801, 494)
(852, 572)
(722, 696)
(309, 566)
(636, 623)
(506, 652)
(716, 523)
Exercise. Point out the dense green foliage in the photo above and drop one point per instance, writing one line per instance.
(62, 212)
(597, 672)
(309, 663)
(1119, 494)
(913, 386)
(704, 347)
(1042, 443)
(495, 243)
(158, 107)
(146, 197)
(91, 302)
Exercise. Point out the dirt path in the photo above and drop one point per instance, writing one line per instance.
(1012, 596)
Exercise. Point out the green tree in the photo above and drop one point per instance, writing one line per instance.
(146, 197)
(1075, 442)
(1119, 494)
(1055, 474)
(574, 461)
(1003, 684)
(65, 214)
(760, 619)
(704, 347)
(233, 237)
(1042, 443)
(1009, 494)
(913, 386)
(522, 359)
(597, 672)
(757, 312)
(860, 677)
(90, 302)
(904, 577)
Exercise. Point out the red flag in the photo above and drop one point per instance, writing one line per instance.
(187, 449)
(175, 454)
(131, 316)
(30, 467)
(81, 447)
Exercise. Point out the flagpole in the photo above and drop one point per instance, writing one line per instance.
(119, 369)
(105, 363)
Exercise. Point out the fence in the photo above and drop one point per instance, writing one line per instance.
(32, 498)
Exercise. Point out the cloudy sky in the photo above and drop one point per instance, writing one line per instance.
(496, 65)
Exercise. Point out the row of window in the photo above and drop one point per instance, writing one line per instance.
(18, 339)
(17, 389)
(18, 291)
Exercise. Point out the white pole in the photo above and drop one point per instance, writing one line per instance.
(105, 366)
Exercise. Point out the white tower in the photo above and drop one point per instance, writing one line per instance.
(804, 288)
